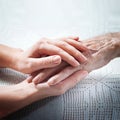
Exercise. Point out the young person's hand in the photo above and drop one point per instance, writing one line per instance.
(45, 53)
(17, 96)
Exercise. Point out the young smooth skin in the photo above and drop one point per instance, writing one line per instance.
(36, 57)
(17, 96)
(45, 53)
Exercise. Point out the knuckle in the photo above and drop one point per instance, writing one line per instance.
(77, 54)
(59, 51)
(63, 44)
(43, 62)
(41, 46)
(29, 65)
(42, 41)
(26, 67)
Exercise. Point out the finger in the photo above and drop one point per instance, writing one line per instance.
(77, 45)
(71, 50)
(46, 73)
(45, 62)
(62, 75)
(68, 83)
(63, 86)
(32, 76)
(50, 49)
(29, 79)
(73, 79)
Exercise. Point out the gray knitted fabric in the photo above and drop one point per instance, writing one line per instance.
(95, 98)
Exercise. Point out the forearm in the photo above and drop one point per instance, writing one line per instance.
(8, 56)
(14, 97)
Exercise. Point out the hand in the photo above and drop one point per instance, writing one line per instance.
(17, 96)
(37, 58)
(103, 49)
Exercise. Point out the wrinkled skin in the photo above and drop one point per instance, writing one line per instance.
(103, 49)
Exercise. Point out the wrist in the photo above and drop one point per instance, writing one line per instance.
(11, 99)
(8, 56)
(26, 92)
(29, 92)
(15, 58)
(15, 97)
(18, 96)
(116, 40)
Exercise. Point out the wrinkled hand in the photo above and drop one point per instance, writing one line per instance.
(103, 49)
(37, 57)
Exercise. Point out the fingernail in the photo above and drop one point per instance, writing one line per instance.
(35, 82)
(51, 82)
(29, 79)
(76, 64)
(56, 59)
(84, 59)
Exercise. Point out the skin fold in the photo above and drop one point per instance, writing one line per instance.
(57, 80)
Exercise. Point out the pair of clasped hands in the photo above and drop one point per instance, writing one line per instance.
(58, 65)
(54, 66)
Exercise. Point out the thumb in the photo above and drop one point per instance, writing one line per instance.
(46, 62)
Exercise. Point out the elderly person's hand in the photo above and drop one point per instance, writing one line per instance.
(45, 53)
(103, 49)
